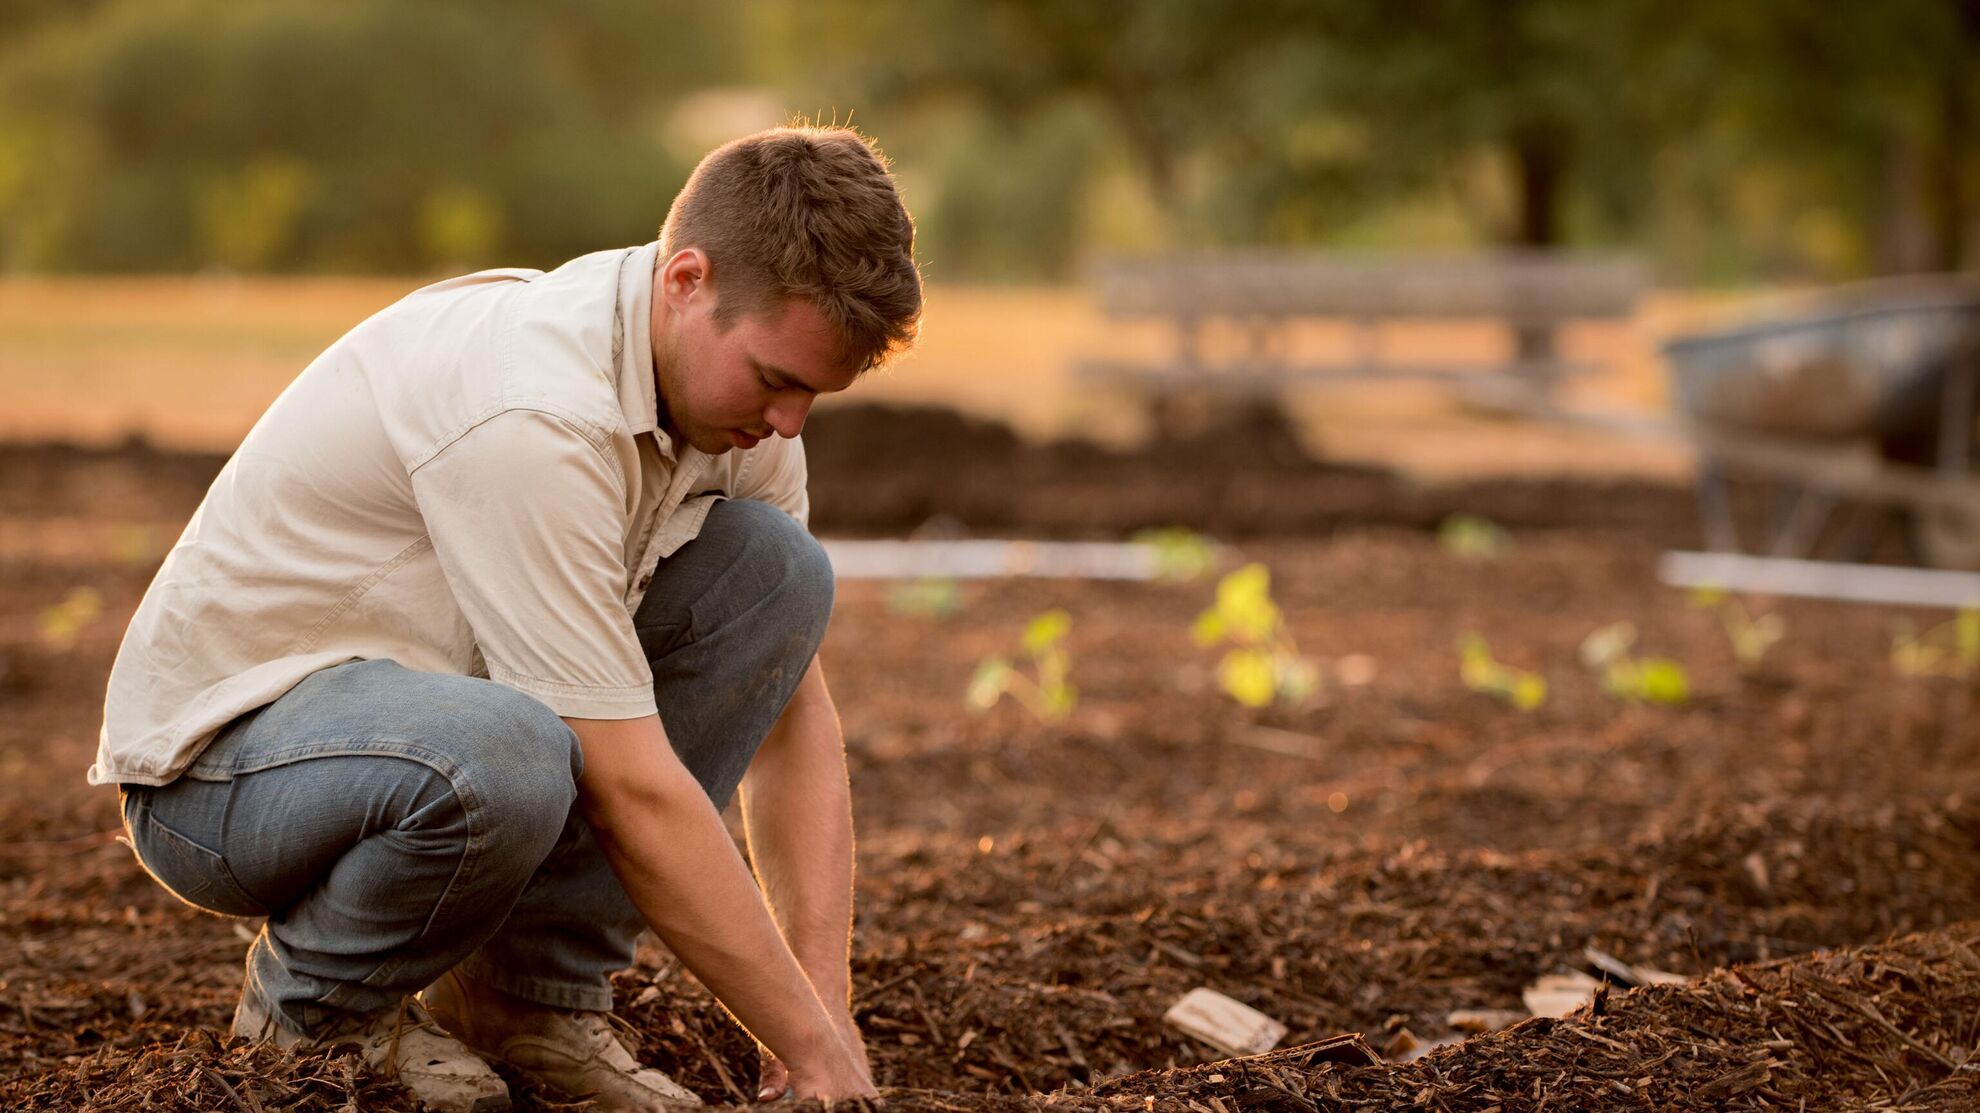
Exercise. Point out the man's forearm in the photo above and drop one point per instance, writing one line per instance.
(797, 810)
(681, 869)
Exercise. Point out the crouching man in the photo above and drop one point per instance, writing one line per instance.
(496, 606)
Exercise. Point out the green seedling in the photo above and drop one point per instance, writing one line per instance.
(1948, 649)
(1180, 554)
(1047, 693)
(1751, 636)
(929, 597)
(1480, 673)
(1263, 663)
(133, 545)
(61, 623)
(1628, 677)
(1474, 538)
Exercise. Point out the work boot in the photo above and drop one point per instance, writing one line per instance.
(570, 1051)
(402, 1043)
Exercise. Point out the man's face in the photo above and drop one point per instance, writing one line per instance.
(730, 389)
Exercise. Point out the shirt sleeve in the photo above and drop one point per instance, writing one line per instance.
(527, 517)
(776, 474)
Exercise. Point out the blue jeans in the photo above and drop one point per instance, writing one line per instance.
(394, 824)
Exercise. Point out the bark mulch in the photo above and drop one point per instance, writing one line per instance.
(1894, 1027)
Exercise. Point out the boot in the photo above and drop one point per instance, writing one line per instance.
(402, 1043)
(570, 1051)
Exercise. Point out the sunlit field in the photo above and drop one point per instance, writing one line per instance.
(190, 362)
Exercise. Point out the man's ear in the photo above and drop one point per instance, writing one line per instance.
(683, 275)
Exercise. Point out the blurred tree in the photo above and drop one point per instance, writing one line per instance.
(1872, 110)
(368, 135)
(1180, 82)
(1551, 90)
(1726, 140)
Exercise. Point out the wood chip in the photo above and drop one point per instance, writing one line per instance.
(1559, 994)
(1226, 1024)
(1483, 1020)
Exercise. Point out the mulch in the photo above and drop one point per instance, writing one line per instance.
(1804, 839)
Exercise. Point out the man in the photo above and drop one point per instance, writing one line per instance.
(489, 615)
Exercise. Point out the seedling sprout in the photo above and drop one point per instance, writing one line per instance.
(1630, 678)
(1263, 662)
(61, 623)
(1480, 673)
(1949, 649)
(1047, 693)
(1751, 636)
(928, 597)
(1180, 554)
(1474, 538)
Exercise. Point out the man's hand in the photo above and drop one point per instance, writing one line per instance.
(776, 1079)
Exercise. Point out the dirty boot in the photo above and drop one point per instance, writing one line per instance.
(570, 1051)
(402, 1043)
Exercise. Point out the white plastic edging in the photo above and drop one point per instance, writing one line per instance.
(1821, 579)
(984, 559)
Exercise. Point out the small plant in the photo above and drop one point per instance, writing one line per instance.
(1948, 649)
(928, 597)
(1628, 677)
(1180, 554)
(1047, 694)
(1751, 636)
(1474, 538)
(61, 623)
(133, 545)
(1480, 673)
(1263, 663)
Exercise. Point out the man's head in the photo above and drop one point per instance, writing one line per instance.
(786, 270)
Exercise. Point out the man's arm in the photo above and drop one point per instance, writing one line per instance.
(675, 858)
(797, 813)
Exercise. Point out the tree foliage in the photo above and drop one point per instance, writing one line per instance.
(1722, 140)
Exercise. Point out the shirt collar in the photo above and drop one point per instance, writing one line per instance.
(636, 388)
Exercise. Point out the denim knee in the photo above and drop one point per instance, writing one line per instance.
(783, 555)
(524, 777)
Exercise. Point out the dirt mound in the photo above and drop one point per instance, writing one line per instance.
(879, 469)
(882, 470)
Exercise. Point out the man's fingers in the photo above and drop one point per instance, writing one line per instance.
(776, 1079)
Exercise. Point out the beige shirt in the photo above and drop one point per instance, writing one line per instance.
(472, 481)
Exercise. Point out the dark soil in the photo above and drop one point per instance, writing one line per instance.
(1033, 897)
(886, 470)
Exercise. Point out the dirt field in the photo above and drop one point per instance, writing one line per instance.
(1033, 897)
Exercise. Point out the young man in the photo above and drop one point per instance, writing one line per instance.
(489, 615)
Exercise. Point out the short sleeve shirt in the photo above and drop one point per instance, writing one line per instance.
(473, 481)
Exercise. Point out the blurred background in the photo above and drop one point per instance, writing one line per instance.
(196, 196)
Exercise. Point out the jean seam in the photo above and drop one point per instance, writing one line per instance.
(472, 850)
(458, 783)
(354, 747)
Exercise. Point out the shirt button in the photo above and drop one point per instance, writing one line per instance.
(643, 581)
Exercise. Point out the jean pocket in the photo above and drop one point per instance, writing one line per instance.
(188, 870)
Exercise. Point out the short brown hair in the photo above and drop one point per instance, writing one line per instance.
(808, 212)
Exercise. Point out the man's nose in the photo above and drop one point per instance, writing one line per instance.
(786, 415)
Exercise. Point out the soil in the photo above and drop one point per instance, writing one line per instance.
(1801, 840)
